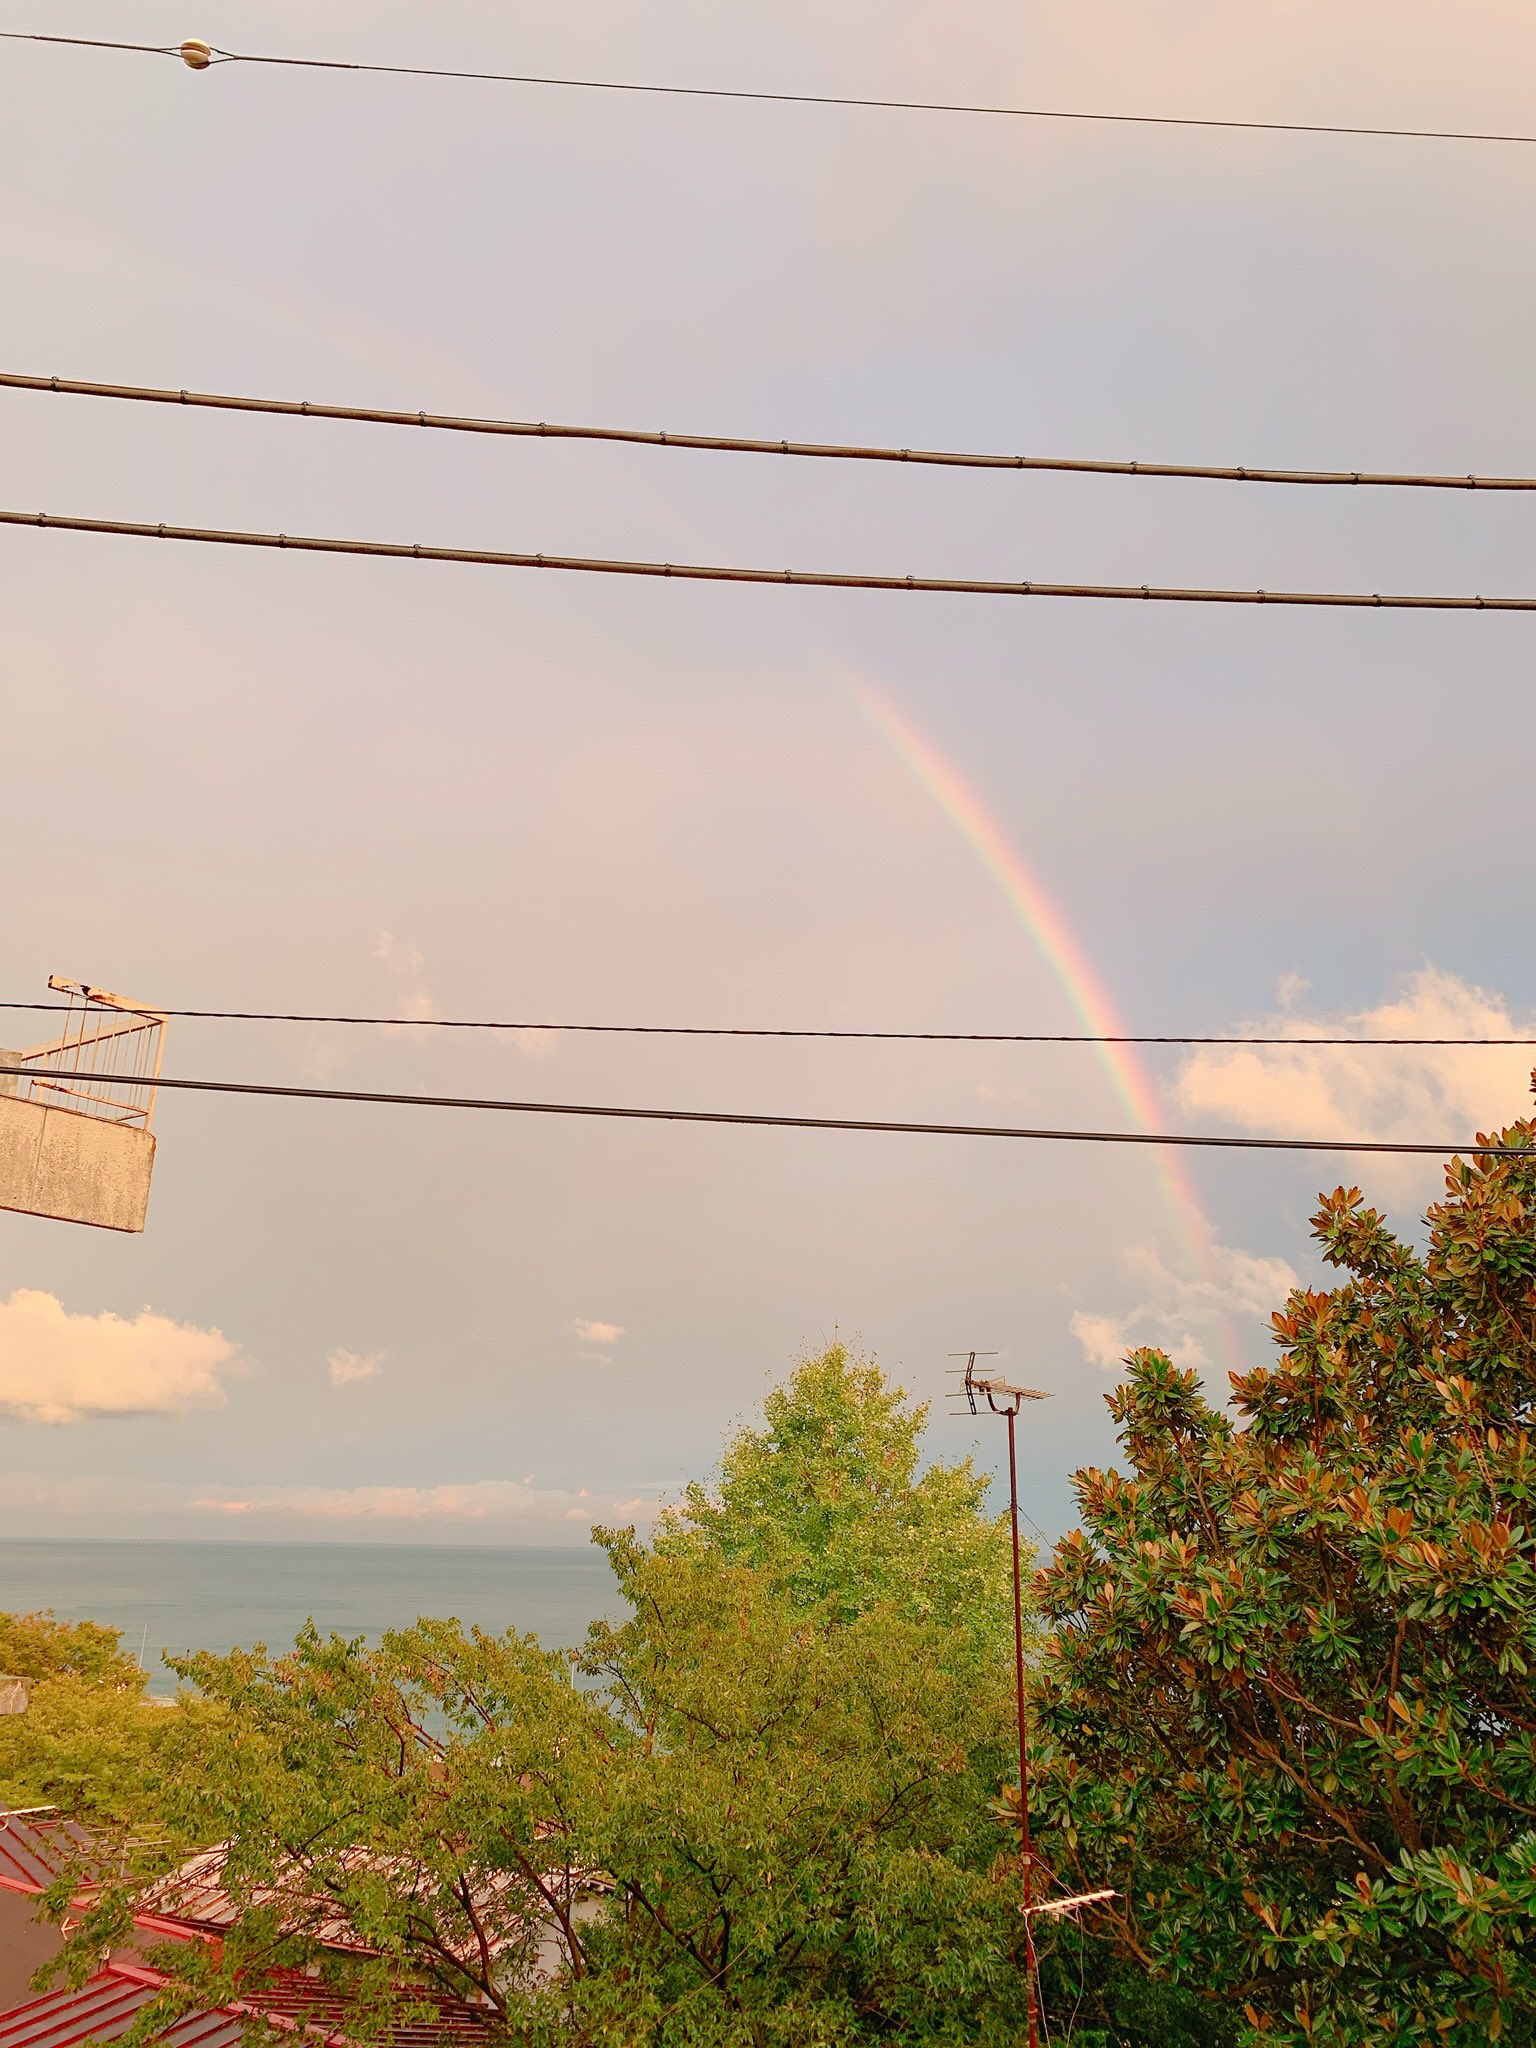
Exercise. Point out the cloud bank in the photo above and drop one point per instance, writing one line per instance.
(60, 1368)
(505, 1510)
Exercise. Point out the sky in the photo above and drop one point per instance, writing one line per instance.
(268, 782)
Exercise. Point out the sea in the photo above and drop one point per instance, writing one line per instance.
(214, 1596)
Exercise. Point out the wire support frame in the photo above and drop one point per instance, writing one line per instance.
(106, 1063)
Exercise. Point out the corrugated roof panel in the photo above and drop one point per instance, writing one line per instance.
(106, 2006)
(195, 1895)
(36, 1846)
(101, 2010)
(306, 2001)
(206, 2030)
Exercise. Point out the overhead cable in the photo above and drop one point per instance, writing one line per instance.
(774, 1031)
(739, 444)
(760, 1120)
(202, 56)
(821, 579)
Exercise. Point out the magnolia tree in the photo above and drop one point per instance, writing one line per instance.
(1288, 1700)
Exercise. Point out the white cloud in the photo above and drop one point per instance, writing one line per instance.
(1443, 1094)
(56, 1367)
(406, 966)
(348, 1367)
(414, 1001)
(1105, 1339)
(1184, 1317)
(597, 1333)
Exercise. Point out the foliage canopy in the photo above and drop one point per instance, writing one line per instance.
(1290, 1692)
(757, 1811)
(89, 1736)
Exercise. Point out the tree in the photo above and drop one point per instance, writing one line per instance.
(831, 1498)
(40, 1646)
(1289, 1695)
(759, 1814)
(88, 1739)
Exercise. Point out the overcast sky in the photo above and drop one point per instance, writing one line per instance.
(270, 782)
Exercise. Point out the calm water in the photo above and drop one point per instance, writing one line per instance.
(212, 1596)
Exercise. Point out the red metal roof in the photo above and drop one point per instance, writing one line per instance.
(195, 1897)
(37, 1846)
(106, 2006)
(291, 1997)
(103, 2009)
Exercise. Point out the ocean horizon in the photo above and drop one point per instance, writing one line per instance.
(178, 1595)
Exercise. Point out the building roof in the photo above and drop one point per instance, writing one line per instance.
(104, 2008)
(37, 1846)
(292, 1998)
(195, 1897)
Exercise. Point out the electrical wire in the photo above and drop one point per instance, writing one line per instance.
(763, 1121)
(820, 579)
(738, 444)
(774, 1031)
(796, 99)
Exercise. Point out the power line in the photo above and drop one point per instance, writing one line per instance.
(772, 1031)
(738, 444)
(205, 55)
(821, 579)
(760, 1120)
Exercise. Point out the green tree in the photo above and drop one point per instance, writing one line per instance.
(755, 1812)
(831, 1497)
(89, 1737)
(41, 1646)
(1289, 1695)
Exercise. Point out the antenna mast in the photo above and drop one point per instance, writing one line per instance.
(1006, 1398)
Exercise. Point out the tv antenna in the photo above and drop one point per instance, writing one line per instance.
(1006, 1398)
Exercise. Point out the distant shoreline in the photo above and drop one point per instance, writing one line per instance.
(186, 1593)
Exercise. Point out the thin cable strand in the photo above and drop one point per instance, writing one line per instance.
(781, 1031)
(797, 99)
(819, 579)
(738, 444)
(761, 1120)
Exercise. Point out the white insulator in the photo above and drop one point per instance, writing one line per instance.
(197, 56)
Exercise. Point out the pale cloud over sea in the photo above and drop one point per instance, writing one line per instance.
(480, 1510)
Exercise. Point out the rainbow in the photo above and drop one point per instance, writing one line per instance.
(1053, 939)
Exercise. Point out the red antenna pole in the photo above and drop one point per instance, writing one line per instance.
(1005, 1398)
(1026, 1847)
